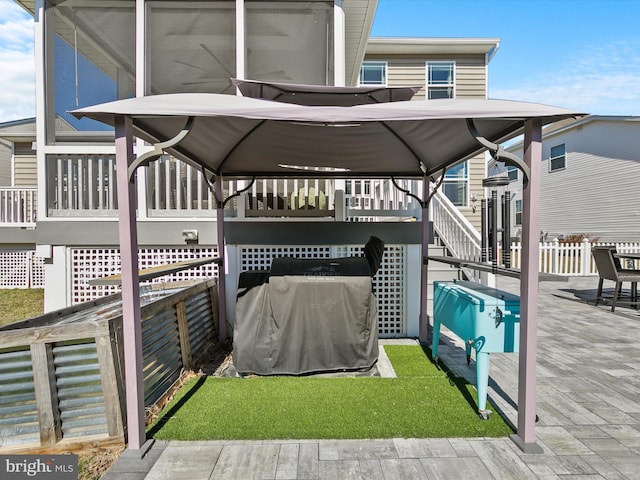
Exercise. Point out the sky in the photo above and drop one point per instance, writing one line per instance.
(578, 54)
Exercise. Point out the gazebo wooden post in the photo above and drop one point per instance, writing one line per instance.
(525, 438)
(222, 267)
(424, 319)
(131, 327)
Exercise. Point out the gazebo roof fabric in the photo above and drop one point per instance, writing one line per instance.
(239, 137)
(318, 95)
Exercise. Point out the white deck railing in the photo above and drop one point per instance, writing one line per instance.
(81, 183)
(290, 198)
(379, 200)
(18, 206)
(84, 185)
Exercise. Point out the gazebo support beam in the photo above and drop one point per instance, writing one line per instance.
(131, 326)
(525, 438)
(222, 291)
(424, 267)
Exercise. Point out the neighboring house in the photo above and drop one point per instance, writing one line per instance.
(18, 184)
(590, 180)
(17, 153)
(86, 54)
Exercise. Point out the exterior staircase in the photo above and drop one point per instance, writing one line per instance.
(439, 272)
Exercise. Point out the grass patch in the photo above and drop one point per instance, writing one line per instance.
(422, 402)
(18, 304)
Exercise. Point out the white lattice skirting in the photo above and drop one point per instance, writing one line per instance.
(389, 283)
(21, 269)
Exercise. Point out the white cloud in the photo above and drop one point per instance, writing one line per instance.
(17, 77)
(601, 80)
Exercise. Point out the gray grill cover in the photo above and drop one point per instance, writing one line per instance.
(296, 324)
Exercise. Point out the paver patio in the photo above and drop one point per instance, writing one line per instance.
(587, 402)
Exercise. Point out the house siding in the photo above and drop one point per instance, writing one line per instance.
(24, 166)
(5, 165)
(597, 193)
(470, 82)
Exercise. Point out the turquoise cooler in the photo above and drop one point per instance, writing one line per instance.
(485, 318)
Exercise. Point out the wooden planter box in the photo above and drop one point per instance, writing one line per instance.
(62, 373)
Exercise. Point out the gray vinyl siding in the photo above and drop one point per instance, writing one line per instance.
(5, 165)
(597, 193)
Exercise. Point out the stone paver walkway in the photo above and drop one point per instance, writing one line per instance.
(587, 402)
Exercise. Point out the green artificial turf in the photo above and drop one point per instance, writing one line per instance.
(422, 402)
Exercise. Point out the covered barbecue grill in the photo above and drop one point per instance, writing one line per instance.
(308, 315)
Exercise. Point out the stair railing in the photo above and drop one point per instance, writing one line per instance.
(454, 230)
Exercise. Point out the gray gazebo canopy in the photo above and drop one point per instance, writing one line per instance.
(240, 137)
(237, 137)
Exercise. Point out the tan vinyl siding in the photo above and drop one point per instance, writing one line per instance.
(404, 70)
(25, 171)
(471, 77)
(476, 175)
(24, 166)
(470, 81)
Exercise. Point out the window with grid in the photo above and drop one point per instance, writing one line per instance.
(455, 184)
(557, 158)
(440, 80)
(518, 212)
(373, 73)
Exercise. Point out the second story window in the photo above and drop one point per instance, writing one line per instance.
(512, 173)
(373, 73)
(440, 80)
(557, 158)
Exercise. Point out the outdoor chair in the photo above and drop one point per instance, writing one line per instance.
(609, 268)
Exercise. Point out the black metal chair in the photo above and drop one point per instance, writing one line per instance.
(609, 268)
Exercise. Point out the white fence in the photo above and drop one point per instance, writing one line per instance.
(571, 259)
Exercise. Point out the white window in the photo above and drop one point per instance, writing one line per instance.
(512, 173)
(440, 80)
(373, 73)
(455, 184)
(557, 158)
(518, 212)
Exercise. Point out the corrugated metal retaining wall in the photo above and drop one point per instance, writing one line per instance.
(62, 373)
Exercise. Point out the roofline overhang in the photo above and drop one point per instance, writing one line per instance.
(351, 78)
(551, 131)
(430, 46)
